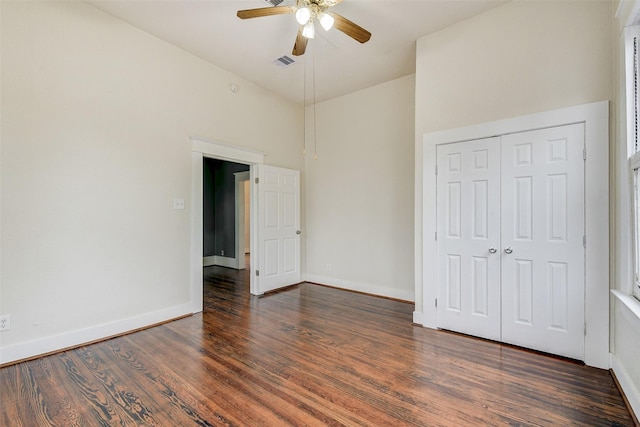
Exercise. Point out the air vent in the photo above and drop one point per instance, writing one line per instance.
(284, 61)
(274, 2)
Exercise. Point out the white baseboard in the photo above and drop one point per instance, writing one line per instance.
(629, 389)
(222, 261)
(12, 353)
(382, 291)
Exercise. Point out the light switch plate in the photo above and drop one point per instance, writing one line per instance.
(5, 322)
(178, 203)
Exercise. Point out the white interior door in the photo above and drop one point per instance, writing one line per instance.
(542, 238)
(468, 237)
(278, 225)
(521, 195)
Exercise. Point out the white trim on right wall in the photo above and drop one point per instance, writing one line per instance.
(595, 117)
(626, 318)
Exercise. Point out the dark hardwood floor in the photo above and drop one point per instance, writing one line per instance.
(306, 356)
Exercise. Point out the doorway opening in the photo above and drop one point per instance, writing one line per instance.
(207, 149)
(224, 201)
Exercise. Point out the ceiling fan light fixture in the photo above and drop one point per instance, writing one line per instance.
(326, 21)
(308, 30)
(303, 15)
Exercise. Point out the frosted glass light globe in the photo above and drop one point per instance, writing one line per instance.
(326, 21)
(303, 15)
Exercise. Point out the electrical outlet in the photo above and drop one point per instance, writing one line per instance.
(222, 252)
(178, 203)
(5, 322)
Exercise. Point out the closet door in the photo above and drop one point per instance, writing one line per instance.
(542, 240)
(468, 237)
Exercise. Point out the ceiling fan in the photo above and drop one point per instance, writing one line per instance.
(306, 12)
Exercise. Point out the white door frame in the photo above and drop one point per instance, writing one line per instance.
(201, 148)
(595, 116)
(240, 179)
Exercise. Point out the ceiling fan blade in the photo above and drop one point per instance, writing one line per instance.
(300, 45)
(329, 3)
(351, 29)
(266, 11)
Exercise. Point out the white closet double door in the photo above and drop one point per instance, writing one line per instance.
(510, 239)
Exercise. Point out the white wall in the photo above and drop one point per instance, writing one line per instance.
(359, 192)
(95, 126)
(521, 58)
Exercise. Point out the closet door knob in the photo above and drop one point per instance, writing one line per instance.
(492, 250)
(508, 250)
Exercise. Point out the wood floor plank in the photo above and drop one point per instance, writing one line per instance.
(309, 355)
(93, 401)
(10, 402)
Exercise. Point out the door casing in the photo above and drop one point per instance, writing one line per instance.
(595, 117)
(201, 148)
(240, 179)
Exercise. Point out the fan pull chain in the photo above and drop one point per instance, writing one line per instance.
(315, 133)
(304, 108)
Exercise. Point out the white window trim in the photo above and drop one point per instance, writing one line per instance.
(630, 151)
(634, 178)
(626, 307)
(632, 87)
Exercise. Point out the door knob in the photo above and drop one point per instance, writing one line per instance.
(508, 250)
(298, 232)
(492, 250)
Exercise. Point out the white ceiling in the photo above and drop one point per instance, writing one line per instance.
(211, 30)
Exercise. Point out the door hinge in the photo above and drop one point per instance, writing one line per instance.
(436, 233)
(584, 154)
(585, 329)
(257, 180)
(436, 302)
(584, 241)
(257, 272)
(436, 169)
